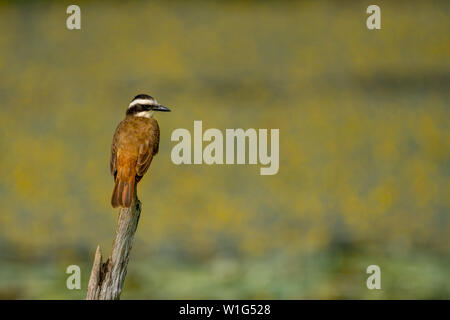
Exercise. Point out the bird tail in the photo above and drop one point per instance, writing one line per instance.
(123, 193)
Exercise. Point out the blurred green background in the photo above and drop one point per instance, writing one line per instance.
(364, 121)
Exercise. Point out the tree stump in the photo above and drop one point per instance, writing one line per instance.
(107, 278)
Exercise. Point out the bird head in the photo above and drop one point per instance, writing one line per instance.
(144, 105)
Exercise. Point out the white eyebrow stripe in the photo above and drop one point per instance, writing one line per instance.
(142, 101)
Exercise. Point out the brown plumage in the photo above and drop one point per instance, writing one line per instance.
(135, 142)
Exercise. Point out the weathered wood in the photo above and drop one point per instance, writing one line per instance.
(107, 278)
(94, 280)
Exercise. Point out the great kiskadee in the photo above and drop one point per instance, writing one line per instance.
(135, 142)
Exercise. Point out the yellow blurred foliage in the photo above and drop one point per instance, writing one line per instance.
(363, 118)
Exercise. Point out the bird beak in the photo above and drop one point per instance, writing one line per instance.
(160, 108)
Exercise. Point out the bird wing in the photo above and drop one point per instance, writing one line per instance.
(146, 152)
(113, 160)
(144, 160)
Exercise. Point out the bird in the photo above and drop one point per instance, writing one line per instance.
(135, 143)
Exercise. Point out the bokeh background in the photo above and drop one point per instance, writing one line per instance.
(364, 121)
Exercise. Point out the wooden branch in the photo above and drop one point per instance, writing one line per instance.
(107, 278)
